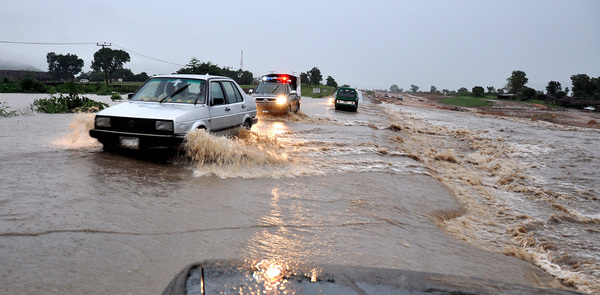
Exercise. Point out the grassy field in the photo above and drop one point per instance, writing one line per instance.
(326, 91)
(467, 101)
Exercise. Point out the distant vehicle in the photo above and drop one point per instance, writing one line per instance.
(84, 81)
(590, 108)
(277, 94)
(346, 97)
(166, 108)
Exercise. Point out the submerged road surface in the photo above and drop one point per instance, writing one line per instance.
(376, 188)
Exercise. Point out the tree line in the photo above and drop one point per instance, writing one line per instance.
(583, 86)
(313, 77)
(108, 64)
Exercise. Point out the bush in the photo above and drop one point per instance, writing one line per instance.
(478, 91)
(104, 90)
(68, 87)
(67, 104)
(6, 86)
(115, 97)
(31, 85)
(4, 112)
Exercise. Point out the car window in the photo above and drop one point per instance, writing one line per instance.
(216, 92)
(346, 93)
(171, 90)
(275, 88)
(233, 95)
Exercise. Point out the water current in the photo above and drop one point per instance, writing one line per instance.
(390, 186)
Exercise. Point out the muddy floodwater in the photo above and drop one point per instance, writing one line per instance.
(390, 186)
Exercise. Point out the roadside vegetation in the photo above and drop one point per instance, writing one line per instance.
(585, 93)
(468, 102)
(69, 102)
(5, 112)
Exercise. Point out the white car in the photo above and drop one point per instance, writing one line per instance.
(590, 108)
(166, 108)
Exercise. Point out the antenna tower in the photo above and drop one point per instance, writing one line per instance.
(242, 61)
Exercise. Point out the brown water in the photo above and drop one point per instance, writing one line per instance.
(385, 187)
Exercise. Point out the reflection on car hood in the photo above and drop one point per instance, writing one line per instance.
(151, 110)
(289, 277)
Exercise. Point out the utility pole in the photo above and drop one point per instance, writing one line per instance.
(104, 60)
(242, 61)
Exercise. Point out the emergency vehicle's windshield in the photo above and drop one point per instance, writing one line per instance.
(268, 87)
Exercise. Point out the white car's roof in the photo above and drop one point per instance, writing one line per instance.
(190, 76)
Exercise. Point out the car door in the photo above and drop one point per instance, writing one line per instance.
(236, 102)
(220, 110)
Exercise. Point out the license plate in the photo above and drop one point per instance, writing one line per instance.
(345, 102)
(130, 142)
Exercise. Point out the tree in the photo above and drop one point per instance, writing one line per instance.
(394, 88)
(314, 76)
(552, 88)
(245, 77)
(433, 89)
(304, 78)
(528, 93)
(584, 86)
(462, 90)
(200, 68)
(491, 89)
(478, 91)
(414, 88)
(516, 82)
(64, 66)
(141, 77)
(331, 82)
(109, 61)
(445, 91)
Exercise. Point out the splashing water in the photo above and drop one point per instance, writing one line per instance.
(79, 137)
(248, 155)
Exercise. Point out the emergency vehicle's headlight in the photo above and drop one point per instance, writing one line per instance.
(281, 99)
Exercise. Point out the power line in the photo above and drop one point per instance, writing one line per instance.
(89, 43)
(47, 43)
(143, 55)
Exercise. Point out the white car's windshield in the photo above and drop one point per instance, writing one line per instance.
(171, 90)
(275, 88)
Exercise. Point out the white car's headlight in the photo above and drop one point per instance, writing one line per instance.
(102, 121)
(281, 99)
(164, 125)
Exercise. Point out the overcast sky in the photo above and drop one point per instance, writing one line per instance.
(367, 44)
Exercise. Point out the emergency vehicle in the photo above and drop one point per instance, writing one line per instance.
(277, 94)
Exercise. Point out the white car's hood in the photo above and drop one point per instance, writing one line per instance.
(150, 110)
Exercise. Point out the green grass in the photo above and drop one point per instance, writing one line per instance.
(466, 101)
(326, 91)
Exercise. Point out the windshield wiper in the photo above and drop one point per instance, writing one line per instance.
(176, 92)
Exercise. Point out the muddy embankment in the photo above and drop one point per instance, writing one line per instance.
(504, 183)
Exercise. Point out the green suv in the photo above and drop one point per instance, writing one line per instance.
(346, 97)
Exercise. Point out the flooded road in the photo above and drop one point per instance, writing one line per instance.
(390, 186)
